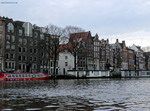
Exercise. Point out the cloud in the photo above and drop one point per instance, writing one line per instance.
(141, 38)
(126, 19)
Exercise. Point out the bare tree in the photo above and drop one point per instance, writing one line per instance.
(55, 32)
(57, 35)
(69, 30)
(74, 50)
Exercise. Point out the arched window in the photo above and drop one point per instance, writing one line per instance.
(10, 27)
(27, 29)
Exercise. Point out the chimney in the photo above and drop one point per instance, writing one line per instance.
(107, 40)
(123, 42)
(117, 40)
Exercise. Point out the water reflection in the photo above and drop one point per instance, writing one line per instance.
(76, 95)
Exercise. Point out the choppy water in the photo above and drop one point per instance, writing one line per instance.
(76, 95)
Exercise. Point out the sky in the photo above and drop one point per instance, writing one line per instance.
(127, 20)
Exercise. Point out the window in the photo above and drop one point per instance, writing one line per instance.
(13, 38)
(19, 58)
(8, 46)
(42, 54)
(20, 32)
(35, 42)
(66, 63)
(19, 68)
(31, 58)
(35, 59)
(35, 34)
(20, 49)
(12, 47)
(8, 38)
(24, 49)
(66, 57)
(31, 50)
(13, 65)
(24, 41)
(35, 51)
(42, 36)
(6, 65)
(20, 40)
(51, 63)
(23, 58)
(7, 56)
(10, 27)
(12, 56)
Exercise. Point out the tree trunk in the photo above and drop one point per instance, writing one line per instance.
(75, 64)
(55, 60)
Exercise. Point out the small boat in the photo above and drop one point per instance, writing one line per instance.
(23, 76)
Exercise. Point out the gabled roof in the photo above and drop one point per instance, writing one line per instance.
(121, 44)
(83, 35)
(136, 48)
(64, 47)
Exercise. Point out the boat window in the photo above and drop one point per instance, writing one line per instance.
(41, 75)
(26, 75)
(33, 75)
(19, 75)
(8, 76)
(13, 75)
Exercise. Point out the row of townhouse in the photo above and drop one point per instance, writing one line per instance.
(28, 48)
(23, 47)
(87, 52)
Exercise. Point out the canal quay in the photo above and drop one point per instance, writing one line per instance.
(107, 94)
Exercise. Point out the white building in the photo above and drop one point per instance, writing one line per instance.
(66, 62)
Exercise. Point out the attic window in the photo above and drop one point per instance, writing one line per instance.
(10, 27)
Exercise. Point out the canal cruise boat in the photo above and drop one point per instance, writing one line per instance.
(23, 76)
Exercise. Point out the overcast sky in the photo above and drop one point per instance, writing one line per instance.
(127, 20)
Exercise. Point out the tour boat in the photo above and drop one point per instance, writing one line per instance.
(23, 76)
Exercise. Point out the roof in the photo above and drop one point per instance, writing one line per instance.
(130, 49)
(64, 47)
(83, 35)
(121, 44)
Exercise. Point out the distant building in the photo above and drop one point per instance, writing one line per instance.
(96, 52)
(131, 59)
(120, 55)
(66, 59)
(84, 48)
(104, 54)
(147, 60)
(139, 57)
(21, 49)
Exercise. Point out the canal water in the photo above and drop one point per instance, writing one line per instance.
(76, 95)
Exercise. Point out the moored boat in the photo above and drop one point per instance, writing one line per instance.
(23, 76)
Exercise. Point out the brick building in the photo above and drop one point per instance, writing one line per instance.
(20, 47)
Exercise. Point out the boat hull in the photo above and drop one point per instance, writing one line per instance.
(23, 76)
(26, 79)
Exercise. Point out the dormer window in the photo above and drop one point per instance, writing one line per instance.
(10, 27)
(28, 29)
